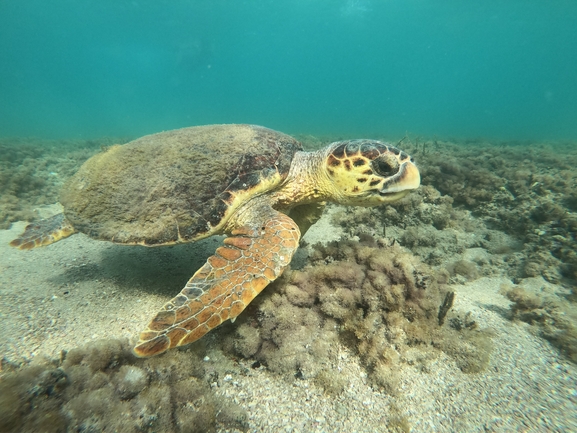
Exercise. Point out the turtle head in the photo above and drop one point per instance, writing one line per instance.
(369, 172)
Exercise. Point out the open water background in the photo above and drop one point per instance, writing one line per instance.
(495, 69)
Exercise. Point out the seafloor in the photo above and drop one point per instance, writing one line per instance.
(360, 335)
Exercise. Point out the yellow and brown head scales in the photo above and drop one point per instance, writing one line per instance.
(369, 172)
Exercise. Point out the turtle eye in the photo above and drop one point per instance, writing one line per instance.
(386, 165)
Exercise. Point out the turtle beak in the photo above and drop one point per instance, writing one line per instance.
(406, 179)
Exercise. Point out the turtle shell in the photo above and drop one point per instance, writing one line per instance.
(175, 186)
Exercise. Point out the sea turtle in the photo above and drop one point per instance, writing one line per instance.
(251, 183)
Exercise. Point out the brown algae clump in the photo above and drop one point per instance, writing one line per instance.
(380, 301)
(102, 387)
(551, 316)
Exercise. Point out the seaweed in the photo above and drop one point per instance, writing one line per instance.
(445, 307)
(377, 299)
(551, 316)
(102, 387)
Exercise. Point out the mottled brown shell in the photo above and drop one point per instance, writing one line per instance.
(175, 186)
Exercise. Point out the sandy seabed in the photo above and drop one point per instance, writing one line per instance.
(80, 290)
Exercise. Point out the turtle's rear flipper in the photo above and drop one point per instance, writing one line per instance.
(251, 258)
(43, 232)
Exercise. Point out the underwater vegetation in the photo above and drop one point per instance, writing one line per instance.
(103, 387)
(551, 315)
(377, 299)
(524, 190)
(463, 248)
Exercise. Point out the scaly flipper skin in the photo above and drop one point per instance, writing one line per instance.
(256, 254)
(44, 232)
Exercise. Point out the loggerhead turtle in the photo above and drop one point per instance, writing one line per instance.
(252, 183)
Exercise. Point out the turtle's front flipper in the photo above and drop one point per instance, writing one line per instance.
(251, 258)
(44, 232)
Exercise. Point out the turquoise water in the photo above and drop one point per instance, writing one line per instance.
(468, 69)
